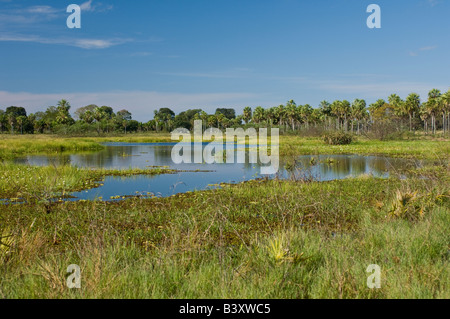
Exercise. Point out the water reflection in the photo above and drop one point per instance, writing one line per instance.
(123, 156)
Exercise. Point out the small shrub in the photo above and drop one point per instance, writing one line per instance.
(337, 138)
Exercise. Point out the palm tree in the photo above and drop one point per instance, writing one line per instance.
(11, 121)
(247, 114)
(270, 115)
(291, 113)
(204, 118)
(2, 120)
(280, 114)
(411, 107)
(306, 113)
(424, 116)
(98, 115)
(345, 112)
(258, 115)
(342, 110)
(20, 121)
(64, 104)
(325, 108)
(336, 112)
(446, 101)
(433, 106)
(211, 120)
(63, 116)
(358, 110)
(220, 119)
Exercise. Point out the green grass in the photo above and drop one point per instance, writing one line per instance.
(421, 149)
(273, 239)
(261, 239)
(43, 183)
(11, 146)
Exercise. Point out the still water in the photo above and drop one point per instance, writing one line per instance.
(145, 155)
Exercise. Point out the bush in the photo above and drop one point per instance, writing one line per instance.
(386, 131)
(337, 138)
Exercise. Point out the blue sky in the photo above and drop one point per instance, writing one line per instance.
(143, 55)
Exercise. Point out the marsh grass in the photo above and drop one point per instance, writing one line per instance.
(418, 149)
(261, 239)
(35, 183)
(12, 146)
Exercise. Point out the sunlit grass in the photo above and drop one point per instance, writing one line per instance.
(33, 182)
(262, 239)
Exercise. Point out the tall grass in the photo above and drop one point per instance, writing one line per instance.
(263, 239)
(12, 146)
(24, 182)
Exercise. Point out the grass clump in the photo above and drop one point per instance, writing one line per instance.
(337, 138)
(34, 183)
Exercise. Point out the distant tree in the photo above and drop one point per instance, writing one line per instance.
(186, 119)
(107, 111)
(228, 113)
(80, 112)
(247, 115)
(63, 115)
(291, 113)
(124, 116)
(374, 108)
(212, 120)
(411, 107)
(3, 120)
(21, 121)
(165, 116)
(357, 111)
(258, 115)
(433, 106)
(16, 111)
(325, 108)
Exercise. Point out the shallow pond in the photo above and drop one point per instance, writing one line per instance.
(143, 155)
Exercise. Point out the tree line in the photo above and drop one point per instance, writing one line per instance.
(356, 117)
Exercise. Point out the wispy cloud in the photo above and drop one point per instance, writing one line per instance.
(80, 43)
(426, 48)
(90, 6)
(433, 2)
(376, 89)
(429, 48)
(141, 54)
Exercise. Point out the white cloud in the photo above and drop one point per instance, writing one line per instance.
(80, 43)
(42, 10)
(429, 48)
(90, 7)
(86, 6)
